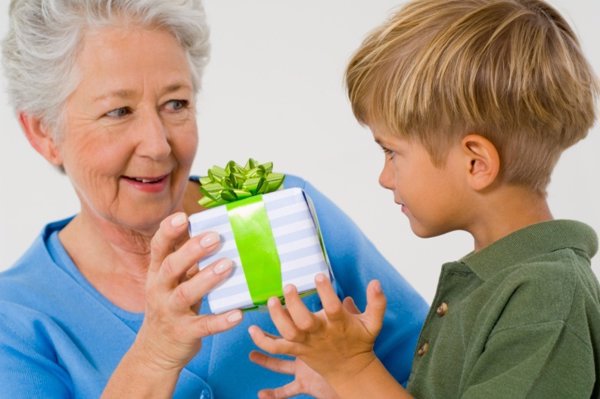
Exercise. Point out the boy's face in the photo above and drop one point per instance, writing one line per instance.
(430, 196)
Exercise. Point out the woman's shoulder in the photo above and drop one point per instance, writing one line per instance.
(295, 181)
(35, 271)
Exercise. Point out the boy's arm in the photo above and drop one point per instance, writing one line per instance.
(544, 338)
(373, 382)
(337, 342)
(539, 361)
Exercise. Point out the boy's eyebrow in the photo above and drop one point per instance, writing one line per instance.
(379, 143)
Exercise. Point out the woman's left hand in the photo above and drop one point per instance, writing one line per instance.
(306, 380)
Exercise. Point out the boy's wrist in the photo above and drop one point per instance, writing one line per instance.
(351, 368)
(372, 381)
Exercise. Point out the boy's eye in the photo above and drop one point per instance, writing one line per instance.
(119, 112)
(388, 153)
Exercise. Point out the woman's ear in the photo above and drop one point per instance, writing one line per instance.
(40, 138)
(483, 159)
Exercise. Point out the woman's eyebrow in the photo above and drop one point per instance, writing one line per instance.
(126, 93)
(176, 87)
(121, 93)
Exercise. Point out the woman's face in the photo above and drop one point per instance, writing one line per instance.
(130, 132)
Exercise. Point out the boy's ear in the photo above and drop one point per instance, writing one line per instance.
(483, 159)
(40, 138)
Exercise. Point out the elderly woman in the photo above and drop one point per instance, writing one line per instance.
(109, 302)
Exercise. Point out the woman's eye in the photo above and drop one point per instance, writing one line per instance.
(177, 105)
(119, 112)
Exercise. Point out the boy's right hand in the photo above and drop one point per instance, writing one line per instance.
(337, 342)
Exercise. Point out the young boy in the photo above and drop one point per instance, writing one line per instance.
(472, 101)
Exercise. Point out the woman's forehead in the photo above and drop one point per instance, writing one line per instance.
(117, 61)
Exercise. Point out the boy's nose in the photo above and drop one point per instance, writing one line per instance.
(386, 179)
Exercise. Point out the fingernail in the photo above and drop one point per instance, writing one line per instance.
(272, 301)
(179, 220)
(223, 266)
(320, 277)
(288, 289)
(210, 239)
(234, 316)
(377, 286)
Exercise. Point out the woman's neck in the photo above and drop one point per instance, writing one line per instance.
(114, 261)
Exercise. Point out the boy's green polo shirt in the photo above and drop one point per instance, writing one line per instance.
(518, 319)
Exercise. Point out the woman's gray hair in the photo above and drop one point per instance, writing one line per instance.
(40, 50)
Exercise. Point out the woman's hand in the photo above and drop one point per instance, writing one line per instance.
(172, 329)
(306, 380)
(337, 342)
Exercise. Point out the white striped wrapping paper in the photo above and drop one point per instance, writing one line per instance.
(294, 228)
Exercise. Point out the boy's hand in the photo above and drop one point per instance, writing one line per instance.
(306, 380)
(337, 342)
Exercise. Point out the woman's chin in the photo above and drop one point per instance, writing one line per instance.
(144, 220)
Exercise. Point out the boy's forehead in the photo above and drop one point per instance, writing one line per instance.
(381, 133)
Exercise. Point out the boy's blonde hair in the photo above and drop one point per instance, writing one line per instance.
(509, 70)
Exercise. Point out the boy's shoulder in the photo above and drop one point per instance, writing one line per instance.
(538, 272)
(551, 247)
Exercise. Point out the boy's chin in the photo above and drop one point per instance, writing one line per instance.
(426, 232)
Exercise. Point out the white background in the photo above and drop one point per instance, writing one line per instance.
(274, 91)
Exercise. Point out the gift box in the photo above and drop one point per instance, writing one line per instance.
(273, 238)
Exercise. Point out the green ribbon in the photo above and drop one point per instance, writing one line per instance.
(240, 188)
(236, 182)
(256, 246)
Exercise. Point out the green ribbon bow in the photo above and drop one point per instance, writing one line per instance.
(235, 182)
(240, 189)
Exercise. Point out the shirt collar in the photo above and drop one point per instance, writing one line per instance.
(537, 239)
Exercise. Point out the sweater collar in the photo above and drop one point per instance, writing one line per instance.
(531, 241)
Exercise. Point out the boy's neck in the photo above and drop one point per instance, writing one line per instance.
(505, 211)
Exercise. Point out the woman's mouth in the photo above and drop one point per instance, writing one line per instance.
(149, 184)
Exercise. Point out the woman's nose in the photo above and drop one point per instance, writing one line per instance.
(153, 137)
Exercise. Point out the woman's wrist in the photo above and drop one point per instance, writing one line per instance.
(139, 376)
(150, 361)
(154, 358)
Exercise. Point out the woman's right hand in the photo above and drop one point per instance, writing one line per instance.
(172, 331)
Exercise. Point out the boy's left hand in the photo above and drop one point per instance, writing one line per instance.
(337, 342)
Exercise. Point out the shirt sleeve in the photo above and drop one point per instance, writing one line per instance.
(540, 343)
(542, 360)
(29, 367)
(355, 262)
